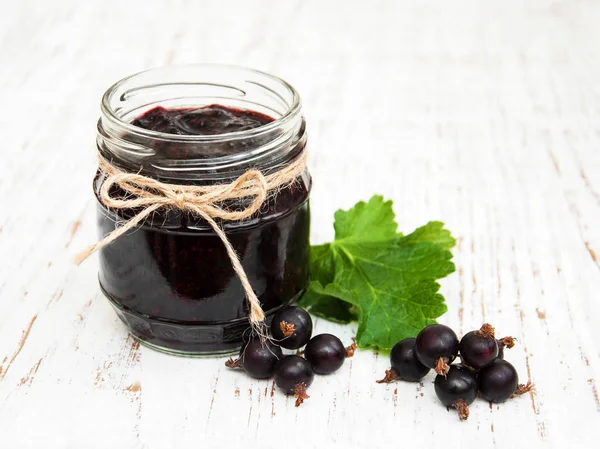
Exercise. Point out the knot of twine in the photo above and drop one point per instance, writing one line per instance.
(150, 195)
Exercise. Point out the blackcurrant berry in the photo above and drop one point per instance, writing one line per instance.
(479, 348)
(258, 358)
(457, 389)
(291, 327)
(326, 353)
(436, 347)
(293, 374)
(499, 381)
(292, 370)
(405, 364)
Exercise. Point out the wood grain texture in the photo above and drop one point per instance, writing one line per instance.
(481, 114)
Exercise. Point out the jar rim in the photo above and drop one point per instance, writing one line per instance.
(263, 147)
(292, 110)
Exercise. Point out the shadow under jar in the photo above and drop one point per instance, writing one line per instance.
(170, 279)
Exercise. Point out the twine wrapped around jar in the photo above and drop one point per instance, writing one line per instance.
(150, 195)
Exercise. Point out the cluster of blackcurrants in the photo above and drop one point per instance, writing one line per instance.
(291, 328)
(483, 369)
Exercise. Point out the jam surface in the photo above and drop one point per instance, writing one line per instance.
(171, 280)
(205, 121)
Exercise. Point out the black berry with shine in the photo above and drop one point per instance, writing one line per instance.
(499, 381)
(478, 348)
(291, 327)
(404, 361)
(325, 353)
(291, 371)
(259, 357)
(457, 389)
(459, 384)
(436, 342)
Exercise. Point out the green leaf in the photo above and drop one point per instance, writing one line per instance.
(393, 286)
(433, 232)
(328, 307)
(321, 264)
(375, 217)
(373, 220)
(389, 279)
(322, 271)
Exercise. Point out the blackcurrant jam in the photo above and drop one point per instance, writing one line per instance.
(170, 279)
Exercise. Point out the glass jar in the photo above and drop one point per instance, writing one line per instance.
(170, 279)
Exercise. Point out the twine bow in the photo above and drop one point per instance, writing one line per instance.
(150, 195)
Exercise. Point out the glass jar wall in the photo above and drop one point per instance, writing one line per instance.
(170, 279)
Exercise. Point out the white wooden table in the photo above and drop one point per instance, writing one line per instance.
(483, 114)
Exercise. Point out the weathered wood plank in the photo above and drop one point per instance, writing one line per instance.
(482, 114)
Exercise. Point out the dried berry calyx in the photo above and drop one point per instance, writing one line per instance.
(390, 376)
(300, 394)
(287, 329)
(442, 366)
(524, 388)
(487, 330)
(507, 342)
(462, 408)
(237, 363)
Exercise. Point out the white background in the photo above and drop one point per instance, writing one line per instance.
(482, 114)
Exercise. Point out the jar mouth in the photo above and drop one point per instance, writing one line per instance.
(190, 157)
(110, 113)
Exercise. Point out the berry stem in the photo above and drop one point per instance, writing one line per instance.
(351, 349)
(300, 394)
(442, 366)
(237, 363)
(462, 408)
(390, 376)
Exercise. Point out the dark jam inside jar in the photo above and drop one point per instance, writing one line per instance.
(205, 121)
(171, 280)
